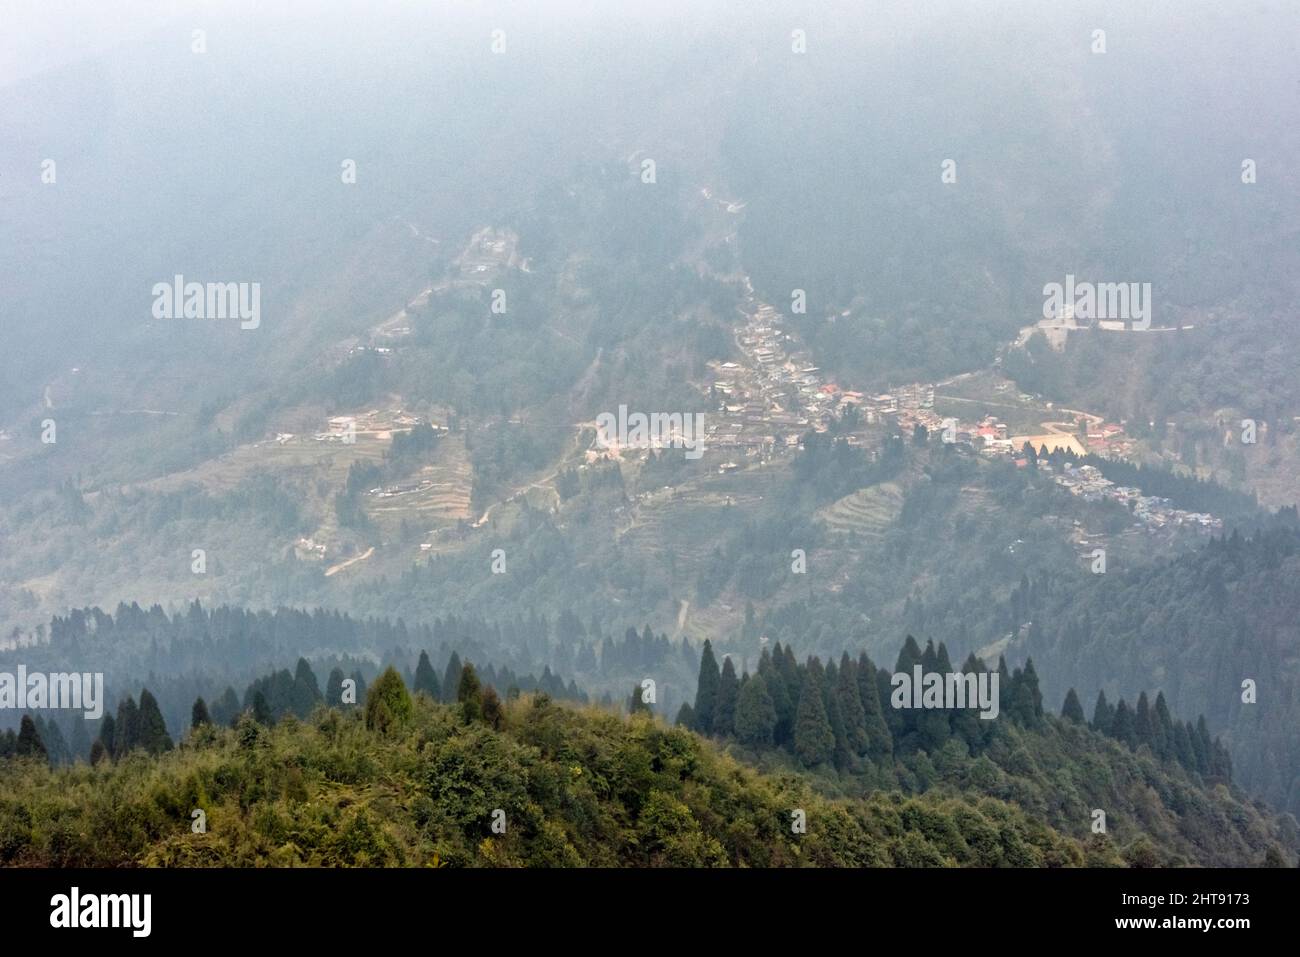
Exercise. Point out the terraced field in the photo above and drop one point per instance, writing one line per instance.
(695, 518)
(866, 512)
(443, 502)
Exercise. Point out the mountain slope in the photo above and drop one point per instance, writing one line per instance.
(571, 787)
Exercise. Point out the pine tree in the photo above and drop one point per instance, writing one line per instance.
(902, 721)
(1103, 716)
(849, 699)
(426, 679)
(706, 690)
(199, 714)
(1033, 696)
(334, 688)
(635, 702)
(881, 742)
(29, 743)
(1220, 762)
(469, 694)
(724, 712)
(97, 752)
(1183, 749)
(932, 724)
(261, 709)
(842, 753)
(814, 741)
(306, 691)
(908, 656)
(128, 730)
(1163, 728)
(1122, 730)
(966, 723)
(388, 703)
(1072, 710)
(755, 714)
(108, 735)
(153, 735)
(494, 715)
(1203, 746)
(451, 678)
(686, 716)
(769, 666)
(1143, 725)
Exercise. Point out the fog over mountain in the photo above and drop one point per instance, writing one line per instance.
(589, 411)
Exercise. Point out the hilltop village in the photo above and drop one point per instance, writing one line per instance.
(776, 394)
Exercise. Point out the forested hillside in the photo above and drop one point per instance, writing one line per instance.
(1199, 628)
(528, 782)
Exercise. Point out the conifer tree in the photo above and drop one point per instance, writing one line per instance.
(814, 741)
(306, 691)
(334, 688)
(1220, 762)
(966, 723)
(1122, 729)
(724, 712)
(910, 654)
(755, 713)
(1103, 715)
(228, 704)
(128, 731)
(29, 743)
(1163, 726)
(494, 715)
(1143, 725)
(635, 702)
(779, 691)
(469, 694)
(881, 742)
(388, 703)
(902, 721)
(97, 752)
(451, 678)
(931, 724)
(1033, 695)
(199, 714)
(1203, 746)
(706, 690)
(108, 735)
(830, 677)
(842, 755)
(426, 679)
(261, 709)
(1183, 749)
(1072, 710)
(686, 716)
(153, 735)
(850, 704)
